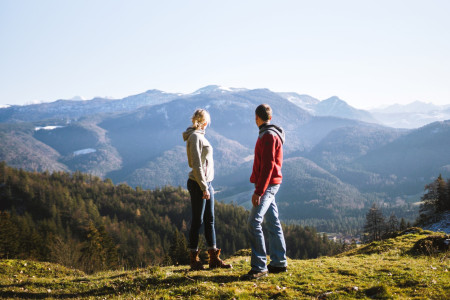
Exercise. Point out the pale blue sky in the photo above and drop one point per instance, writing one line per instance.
(368, 53)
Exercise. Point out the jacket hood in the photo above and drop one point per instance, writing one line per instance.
(274, 128)
(191, 130)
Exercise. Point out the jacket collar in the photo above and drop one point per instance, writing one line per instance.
(274, 128)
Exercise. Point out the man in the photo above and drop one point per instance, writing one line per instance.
(266, 176)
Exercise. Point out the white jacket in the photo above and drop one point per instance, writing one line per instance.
(200, 157)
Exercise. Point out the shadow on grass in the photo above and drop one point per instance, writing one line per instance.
(29, 295)
(114, 287)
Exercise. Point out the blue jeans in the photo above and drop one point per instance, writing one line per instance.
(202, 212)
(277, 245)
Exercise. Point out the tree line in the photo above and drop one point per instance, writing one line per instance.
(378, 227)
(434, 202)
(82, 221)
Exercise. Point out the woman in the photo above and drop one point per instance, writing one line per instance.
(200, 158)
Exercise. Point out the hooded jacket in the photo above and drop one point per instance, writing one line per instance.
(268, 158)
(200, 157)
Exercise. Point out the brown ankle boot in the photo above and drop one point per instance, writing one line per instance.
(196, 264)
(215, 261)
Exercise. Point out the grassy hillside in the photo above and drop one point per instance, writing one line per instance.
(407, 266)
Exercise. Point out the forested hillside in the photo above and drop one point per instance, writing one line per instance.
(82, 221)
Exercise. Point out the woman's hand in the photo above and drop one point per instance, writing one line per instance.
(206, 195)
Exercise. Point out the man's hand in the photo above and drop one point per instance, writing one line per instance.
(256, 199)
(206, 195)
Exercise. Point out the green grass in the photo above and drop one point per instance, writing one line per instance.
(381, 270)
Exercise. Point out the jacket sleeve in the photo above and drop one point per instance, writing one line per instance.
(195, 148)
(267, 163)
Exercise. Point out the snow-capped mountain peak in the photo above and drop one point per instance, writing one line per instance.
(334, 99)
(305, 102)
(78, 98)
(217, 89)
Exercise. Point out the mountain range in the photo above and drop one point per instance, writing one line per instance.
(338, 160)
(413, 115)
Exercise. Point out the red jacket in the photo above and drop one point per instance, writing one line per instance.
(268, 158)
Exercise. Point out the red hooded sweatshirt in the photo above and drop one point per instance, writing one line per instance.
(268, 158)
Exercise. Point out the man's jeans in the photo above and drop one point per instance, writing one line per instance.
(202, 211)
(277, 245)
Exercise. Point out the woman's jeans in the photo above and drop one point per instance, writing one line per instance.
(202, 211)
(277, 245)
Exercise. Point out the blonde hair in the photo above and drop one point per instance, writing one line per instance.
(199, 118)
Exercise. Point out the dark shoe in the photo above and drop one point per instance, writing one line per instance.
(215, 261)
(254, 275)
(196, 264)
(273, 269)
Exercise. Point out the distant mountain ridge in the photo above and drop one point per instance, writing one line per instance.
(413, 115)
(335, 166)
(74, 109)
(332, 106)
(336, 107)
(416, 106)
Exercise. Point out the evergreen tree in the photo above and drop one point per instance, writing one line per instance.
(429, 200)
(375, 224)
(9, 244)
(99, 252)
(178, 251)
(436, 200)
(111, 256)
(446, 204)
(392, 224)
(402, 224)
(442, 191)
(91, 258)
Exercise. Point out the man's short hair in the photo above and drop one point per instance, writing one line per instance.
(264, 112)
